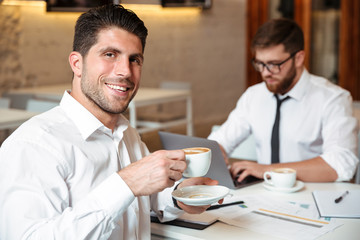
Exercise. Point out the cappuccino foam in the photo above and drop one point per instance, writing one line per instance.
(195, 150)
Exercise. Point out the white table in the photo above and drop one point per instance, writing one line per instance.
(144, 97)
(155, 96)
(350, 230)
(13, 118)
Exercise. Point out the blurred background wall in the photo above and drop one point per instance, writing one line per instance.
(205, 48)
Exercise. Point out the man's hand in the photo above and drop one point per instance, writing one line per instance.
(310, 170)
(191, 182)
(155, 172)
(246, 168)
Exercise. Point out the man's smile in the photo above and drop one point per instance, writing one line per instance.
(117, 88)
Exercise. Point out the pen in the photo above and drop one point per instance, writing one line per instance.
(224, 205)
(341, 197)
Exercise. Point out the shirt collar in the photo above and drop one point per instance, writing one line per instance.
(299, 90)
(85, 121)
(301, 87)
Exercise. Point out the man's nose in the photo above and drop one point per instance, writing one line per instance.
(266, 72)
(123, 68)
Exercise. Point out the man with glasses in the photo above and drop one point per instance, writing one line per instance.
(298, 120)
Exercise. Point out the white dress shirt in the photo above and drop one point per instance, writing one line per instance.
(58, 179)
(316, 121)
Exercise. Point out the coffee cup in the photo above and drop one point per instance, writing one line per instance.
(281, 177)
(198, 160)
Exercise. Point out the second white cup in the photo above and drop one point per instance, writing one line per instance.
(198, 160)
(281, 177)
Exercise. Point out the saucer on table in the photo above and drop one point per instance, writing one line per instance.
(200, 195)
(298, 185)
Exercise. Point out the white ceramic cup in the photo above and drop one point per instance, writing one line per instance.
(198, 160)
(281, 177)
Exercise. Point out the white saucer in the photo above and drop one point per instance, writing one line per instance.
(298, 185)
(200, 195)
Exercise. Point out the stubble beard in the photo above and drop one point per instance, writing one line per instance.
(283, 86)
(96, 95)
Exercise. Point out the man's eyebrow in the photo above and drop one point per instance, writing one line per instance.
(138, 55)
(112, 49)
(109, 49)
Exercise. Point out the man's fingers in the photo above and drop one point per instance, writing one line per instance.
(208, 181)
(235, 169)
(242, 176)
(193, 209)
(177, 160)
(175, 175)
(176, 165)
(176, 155)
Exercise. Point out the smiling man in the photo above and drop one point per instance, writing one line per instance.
(298, 120)
(80, 171)
(107, 79)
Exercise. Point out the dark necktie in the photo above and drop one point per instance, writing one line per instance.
(275, 132)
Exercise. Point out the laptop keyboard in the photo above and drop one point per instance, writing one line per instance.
(247, 181)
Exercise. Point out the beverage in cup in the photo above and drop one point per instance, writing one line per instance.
(198, 160)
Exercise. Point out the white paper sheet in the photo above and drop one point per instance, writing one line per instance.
(284, 219)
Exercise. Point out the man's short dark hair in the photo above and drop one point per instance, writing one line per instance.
(279, 31)
(89, 24)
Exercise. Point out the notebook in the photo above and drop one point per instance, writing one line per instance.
(194, 221)
(218, 168)
(348, 207)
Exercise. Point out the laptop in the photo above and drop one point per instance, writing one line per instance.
(218, 168)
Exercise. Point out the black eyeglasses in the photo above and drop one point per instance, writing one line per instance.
(274, 68)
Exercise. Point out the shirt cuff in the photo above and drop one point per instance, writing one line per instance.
(163, 206)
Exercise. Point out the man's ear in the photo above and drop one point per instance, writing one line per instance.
(76, 63)
(300, 58)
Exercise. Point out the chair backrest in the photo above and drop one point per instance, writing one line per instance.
(35, 105)
(356, 110)
(357, 176)
(4, 102)
(18, 100)
(245, 150)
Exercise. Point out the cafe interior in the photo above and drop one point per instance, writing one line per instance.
(197, 65)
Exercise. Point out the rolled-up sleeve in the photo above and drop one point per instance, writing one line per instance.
(340, 136)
